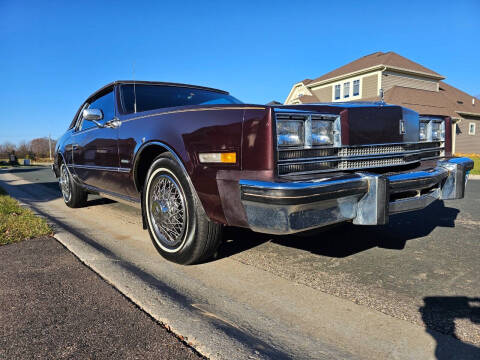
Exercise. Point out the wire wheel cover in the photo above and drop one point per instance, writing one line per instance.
(167, 210)
(64, 182)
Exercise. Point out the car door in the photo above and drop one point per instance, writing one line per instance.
(71, 139)
(95, 150)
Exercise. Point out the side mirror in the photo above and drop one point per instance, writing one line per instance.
(93, 115)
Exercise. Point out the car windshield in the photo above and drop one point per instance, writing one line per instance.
(150, 97)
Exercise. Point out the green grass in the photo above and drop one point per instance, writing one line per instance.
(476, 167)
(18, 223)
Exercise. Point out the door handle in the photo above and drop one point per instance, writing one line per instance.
(114, 123)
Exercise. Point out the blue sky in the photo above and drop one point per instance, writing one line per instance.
(54, 54)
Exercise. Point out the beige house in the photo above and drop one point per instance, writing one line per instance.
(403, 82)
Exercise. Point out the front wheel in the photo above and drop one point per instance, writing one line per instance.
(177, 223)
(73, 195)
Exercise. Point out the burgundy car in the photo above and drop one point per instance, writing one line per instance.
(196, 159)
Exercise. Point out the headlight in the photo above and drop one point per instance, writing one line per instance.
(431, 129)
(438, 130)
(423, 131)
(322, 132)
(290, 132)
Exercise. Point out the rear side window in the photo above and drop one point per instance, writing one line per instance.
(150, 97)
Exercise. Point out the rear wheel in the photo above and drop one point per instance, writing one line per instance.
(177, 223)
(73, 195)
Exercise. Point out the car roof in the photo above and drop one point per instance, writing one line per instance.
(143, 82)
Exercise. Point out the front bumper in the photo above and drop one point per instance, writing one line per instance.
(363, 198)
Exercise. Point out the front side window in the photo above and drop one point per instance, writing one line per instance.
(151, 97)
(337, 91)
(471, 128)
(346, 89)
(105, 103)
(356, 87)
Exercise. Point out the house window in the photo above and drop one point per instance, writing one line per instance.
(471, 128)
(346, 89)
(337, 91)
(356, 87)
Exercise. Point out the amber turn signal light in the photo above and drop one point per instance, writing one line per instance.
(224, 157)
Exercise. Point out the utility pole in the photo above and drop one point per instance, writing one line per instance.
(50, 146)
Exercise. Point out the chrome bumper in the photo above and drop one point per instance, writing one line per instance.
(363, 198)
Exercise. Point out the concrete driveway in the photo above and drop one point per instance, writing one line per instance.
(409, 289)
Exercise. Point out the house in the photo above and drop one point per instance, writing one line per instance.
(403, 82)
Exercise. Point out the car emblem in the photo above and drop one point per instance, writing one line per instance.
(402, 127)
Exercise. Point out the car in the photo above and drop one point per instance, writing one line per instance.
(196, 159)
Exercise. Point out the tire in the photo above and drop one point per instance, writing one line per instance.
(73, 195)
(176, 221)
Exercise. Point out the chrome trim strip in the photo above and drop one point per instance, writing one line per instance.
(114, 196)
(314, 184)
(358, 168)
(357, 157)
(368, 145)
(461, 161)
(322, 183)
(417, 175)
(195, 109)
(101, 168)
(170, 150)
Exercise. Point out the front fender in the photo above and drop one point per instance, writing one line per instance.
(185, 134)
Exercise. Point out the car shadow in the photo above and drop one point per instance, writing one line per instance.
(100, 201)
(439, 314)
(51, 191)
(21, 169)
(346, 239)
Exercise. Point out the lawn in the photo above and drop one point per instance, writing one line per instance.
(476, 161)
(18, 223)
(476, 167)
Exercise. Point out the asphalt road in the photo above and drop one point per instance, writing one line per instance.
(422, 268)
(53, 307)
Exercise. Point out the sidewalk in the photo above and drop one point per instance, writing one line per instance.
(52, 306)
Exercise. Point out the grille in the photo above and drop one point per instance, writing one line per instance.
(370, 150)
(307, 153)
(355, 157)
(307, 167)
(360, 164)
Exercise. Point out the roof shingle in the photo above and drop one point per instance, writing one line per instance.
(379, 58)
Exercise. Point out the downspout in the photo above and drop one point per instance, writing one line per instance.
(380, 88)
(454, 133)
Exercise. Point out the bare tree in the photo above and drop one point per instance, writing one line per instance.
(7, 147)
(23, 149)
(39, 147)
